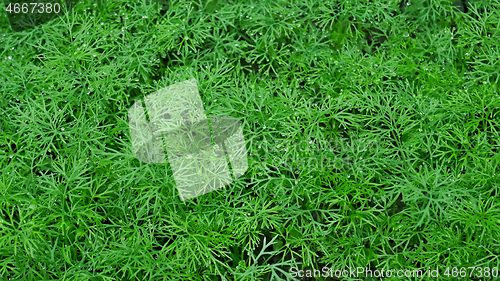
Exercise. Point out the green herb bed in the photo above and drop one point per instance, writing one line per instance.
(372, 131)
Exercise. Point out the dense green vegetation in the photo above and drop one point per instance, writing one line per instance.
(371, 126)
